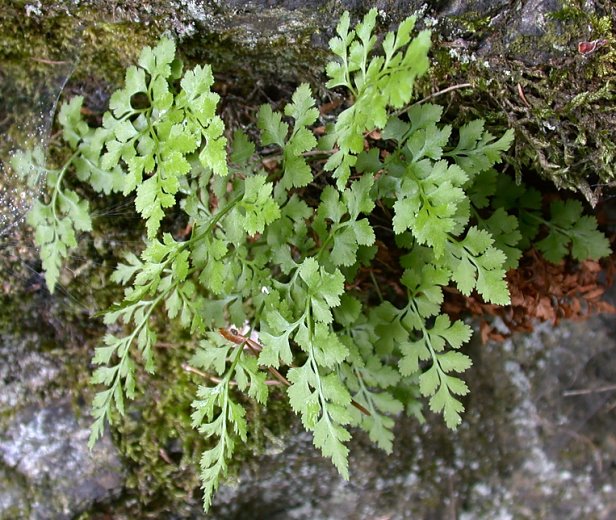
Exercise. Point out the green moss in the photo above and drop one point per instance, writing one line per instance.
(100, 51)
(573, 12)
(472, 22)
(601, 26)
(561, 107)
(162, 449)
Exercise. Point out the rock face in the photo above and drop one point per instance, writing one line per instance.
(46, 469)
(44, 448)
(538, 437)
(537, 442)
(523, 59)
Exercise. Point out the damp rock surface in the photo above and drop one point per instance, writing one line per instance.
(536, 442)
(523, 60)
(46, 468)
(537, 439)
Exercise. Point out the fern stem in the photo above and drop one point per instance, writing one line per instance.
(315, 367)
(550, 225)
(426, 336)
(56, 189)
(365, 393)
(215, 220)
(376, 286)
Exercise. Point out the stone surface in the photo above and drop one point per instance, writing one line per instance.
(46, 469)
(24, 372)
(44, 448)
(505, 47)
(562, 116)
(525, 450)
(537, 442)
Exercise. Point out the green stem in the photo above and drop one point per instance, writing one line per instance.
(477, 216)
(57, 187)
(365, 393)
(315, 367)
(545, 222)
(376, 286)
(426, 336)
(234, 363)
(330, 238)
(124, 357)
(215, 220)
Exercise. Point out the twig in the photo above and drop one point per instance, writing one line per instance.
(441, 92)
(431, 96)
(235, 337)
(49, 62)
(376, 285)
(163, 455)
(205, 375)
(164, 344)
(522, 96)
(586, 391)
(217, 380)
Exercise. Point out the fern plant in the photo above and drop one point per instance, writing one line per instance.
(266, 281)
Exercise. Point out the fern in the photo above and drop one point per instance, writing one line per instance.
(264, 250)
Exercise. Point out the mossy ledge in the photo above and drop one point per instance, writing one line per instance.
(523, 64)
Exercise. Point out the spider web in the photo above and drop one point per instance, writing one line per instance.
(26, 118)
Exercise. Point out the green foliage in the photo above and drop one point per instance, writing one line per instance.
(216, 413)
(57, 221)
(297, 173)
(377, 83)
(285, 251)
(568, 228)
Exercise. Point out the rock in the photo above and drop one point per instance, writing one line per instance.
(24, 372)
(45, 450)
(46, 469)
(536, 442)
(525, 449)
(562, 117)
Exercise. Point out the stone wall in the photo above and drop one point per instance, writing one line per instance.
(527, 448)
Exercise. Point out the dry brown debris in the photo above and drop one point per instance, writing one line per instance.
(540, 291)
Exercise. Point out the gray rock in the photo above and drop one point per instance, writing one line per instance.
(527, 449)
(502, 46)
(45, 449)
(24, 371)
(536, 442)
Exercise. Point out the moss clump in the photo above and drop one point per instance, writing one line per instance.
(561, 104)
(57, 48)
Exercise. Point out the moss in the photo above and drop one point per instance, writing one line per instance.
(472, 23)
(57, 49)
(15, 499)
(560, 106)
(161, 448)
